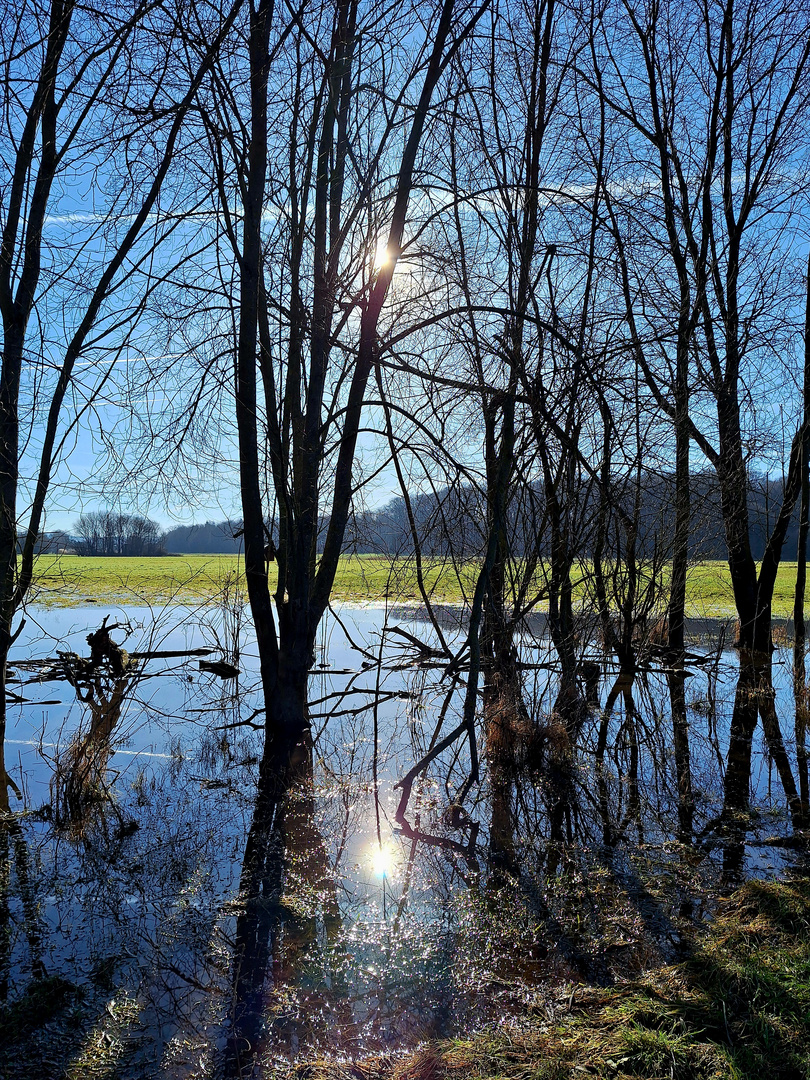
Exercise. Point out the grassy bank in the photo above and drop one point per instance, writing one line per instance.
(68, 580)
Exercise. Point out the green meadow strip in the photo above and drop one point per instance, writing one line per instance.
(71, 580)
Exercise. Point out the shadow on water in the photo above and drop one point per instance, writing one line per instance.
(258, 927)
(250, 920)
(287, 896)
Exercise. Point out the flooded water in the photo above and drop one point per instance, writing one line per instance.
(144, 941)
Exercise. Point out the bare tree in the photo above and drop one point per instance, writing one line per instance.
(344, 146)
(76, 101)
(800, 688)
(723, 209)
(105, 532)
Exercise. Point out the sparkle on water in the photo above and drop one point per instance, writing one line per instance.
(369, 940)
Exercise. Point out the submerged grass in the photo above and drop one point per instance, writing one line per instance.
(737, 1008)
(71, 580)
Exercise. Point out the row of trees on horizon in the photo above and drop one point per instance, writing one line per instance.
(448, 523)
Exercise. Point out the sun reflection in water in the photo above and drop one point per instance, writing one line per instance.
(383, 860)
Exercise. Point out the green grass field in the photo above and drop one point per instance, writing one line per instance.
(71, 580)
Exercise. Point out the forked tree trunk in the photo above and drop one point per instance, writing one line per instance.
(296, 451)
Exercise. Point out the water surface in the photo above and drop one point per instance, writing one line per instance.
(127, 893)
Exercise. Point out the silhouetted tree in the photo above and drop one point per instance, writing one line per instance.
(108, 532)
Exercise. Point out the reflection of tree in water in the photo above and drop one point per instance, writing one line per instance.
(755, 697)
(676, 680)
(102, 683)
(526, 898)
(287, 885)
(644, 789)
(621, 686)
(638, 771)
(14, 860)
(802, 699)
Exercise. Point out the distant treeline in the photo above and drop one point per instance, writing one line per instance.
(110, 532)
(454, 520)
(447, 521)
(57, 542)
(451, 521)
(211, 538)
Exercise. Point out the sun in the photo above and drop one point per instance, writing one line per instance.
(381, 254)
